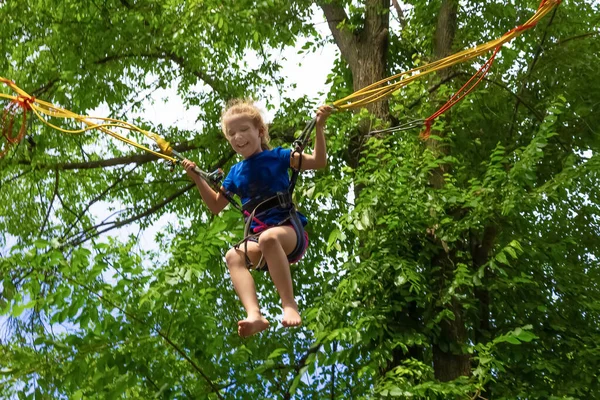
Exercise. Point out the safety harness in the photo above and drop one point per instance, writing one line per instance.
(254, 209)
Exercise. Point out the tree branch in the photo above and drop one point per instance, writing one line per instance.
(332, 389)
(118, 224)
(41, 90)
(560, 42)
(165, 337)
(528, 75)
(55, 193)
(536, 113)
(298, 367)
(218, 87)
(94, 200)
(345, 40)
(400, 13)
(14, 178)
(82, 238)
(111, 162)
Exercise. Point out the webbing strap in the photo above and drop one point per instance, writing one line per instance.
(299, 145)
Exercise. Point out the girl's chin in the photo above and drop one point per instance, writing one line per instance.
(246, 151)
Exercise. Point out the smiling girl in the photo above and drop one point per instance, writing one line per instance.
(260, 179)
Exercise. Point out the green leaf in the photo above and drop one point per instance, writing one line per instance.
(18, 309)
(188, 275)
(333, 237)
(502, 258)
(41, 243)
(526, 336)
(277, 353)
(512, 340)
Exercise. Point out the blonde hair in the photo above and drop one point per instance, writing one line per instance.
(247, 107)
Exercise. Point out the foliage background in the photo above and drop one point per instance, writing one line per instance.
(462, 267)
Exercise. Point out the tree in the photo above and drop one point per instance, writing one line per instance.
(465, 266)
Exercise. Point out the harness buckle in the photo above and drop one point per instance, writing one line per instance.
(284, 199)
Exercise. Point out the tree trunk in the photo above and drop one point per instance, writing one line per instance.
(449, 362)
(366, 53)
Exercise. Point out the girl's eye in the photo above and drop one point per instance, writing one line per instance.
(244, 129)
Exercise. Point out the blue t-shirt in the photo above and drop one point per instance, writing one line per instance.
(262, 175)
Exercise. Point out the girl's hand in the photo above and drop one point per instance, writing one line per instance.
(189, 167)
(323, 113)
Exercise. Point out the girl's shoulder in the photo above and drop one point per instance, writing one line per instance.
(275, 150)
(268, 156)
(280, 153)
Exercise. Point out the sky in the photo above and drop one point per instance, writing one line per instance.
(308, 71)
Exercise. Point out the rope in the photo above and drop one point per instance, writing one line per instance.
(299, 145)
(388, 86)
(468, 87)
(460, 94)
(404, 127)
(43, 109)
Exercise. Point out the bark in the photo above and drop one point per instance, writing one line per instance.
(442, 47)
(366, 53)
(400, 13)
(445, 31)
(449, 362)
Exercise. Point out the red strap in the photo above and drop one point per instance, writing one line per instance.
(25, 102)
(459, 95)
(261, 225)
(7, 125)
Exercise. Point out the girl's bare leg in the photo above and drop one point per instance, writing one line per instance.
(275, 243)
(246, 290)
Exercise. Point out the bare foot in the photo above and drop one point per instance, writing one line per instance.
(251, 326)
(291, 317)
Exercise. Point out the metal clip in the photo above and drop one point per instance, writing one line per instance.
(285, 200)
(298, 145)
(216, 176)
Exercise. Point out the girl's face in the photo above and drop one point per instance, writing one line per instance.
(243, 135)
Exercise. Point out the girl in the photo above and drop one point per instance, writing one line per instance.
(263, 174)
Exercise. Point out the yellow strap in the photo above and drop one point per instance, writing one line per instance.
(42, 108)
(386, 87)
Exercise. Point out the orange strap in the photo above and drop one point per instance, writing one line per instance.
(466, 89)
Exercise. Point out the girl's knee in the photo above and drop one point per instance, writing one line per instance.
(233, 258)
(268, 238)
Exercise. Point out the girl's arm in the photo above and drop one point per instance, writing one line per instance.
(214, 201)
(318, 158)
